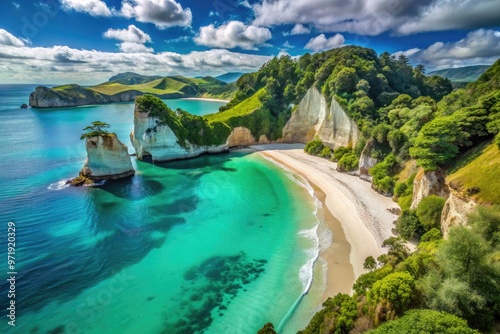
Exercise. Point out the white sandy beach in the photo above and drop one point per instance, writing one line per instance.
(363, 213)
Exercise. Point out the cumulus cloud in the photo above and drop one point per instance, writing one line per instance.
(232, 35)
(62, 64)
(300, 29)
(6, 38)
(321, 43)
(91, 7)
(163, 13)
(131, 34)
(478, 47)
(132, 39)
(377, 16)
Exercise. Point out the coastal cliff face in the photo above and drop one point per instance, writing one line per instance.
(314, 118)
(107, 159)
(242, 136)
(427, 184)
(156, 141)
(455, 211)
(75, 95)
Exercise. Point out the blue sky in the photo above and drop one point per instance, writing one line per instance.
(87, 41)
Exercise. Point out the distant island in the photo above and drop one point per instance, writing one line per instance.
(125, 87)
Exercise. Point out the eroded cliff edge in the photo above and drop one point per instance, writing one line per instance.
(314, 117)
(160, 134)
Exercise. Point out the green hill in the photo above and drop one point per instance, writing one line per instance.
(462, 74)
(130, 78)
(229, 77)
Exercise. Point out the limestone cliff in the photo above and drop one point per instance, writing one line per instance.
(152, 139)
(366, 162)
(455, 211)
(74, 95)
(107, 158)
(427, 184)
(313, 117)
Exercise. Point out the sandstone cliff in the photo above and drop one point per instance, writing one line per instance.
(455, 211)
(242, 136)
(155, 140)
(427, 184)
(107, 159)
(314, 118)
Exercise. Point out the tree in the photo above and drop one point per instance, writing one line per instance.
(370, 264)
(392, 295)
(267, 329)
(429, 212)
(408, 225)
(97, 128)
(426, 321)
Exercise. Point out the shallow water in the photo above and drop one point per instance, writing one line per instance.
(203, 245)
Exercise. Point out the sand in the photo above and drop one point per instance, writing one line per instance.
(358, 217)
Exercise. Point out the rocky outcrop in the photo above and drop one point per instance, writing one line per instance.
(366, 162)
(241, 136)
(153, 140)
(107, 159)
(74, 95)
(314, 118)
(427, 184)
(455, 211)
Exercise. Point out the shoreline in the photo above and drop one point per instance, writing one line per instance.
(357, 216)
(205, 99)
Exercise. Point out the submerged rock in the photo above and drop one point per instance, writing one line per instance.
(24, 106)
(107, 159)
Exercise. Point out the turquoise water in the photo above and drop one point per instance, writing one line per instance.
(217, 244)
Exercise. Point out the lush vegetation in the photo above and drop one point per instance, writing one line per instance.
(166, 87)
(188, 128)
(445, 286)
(462, 74)
(96, 129)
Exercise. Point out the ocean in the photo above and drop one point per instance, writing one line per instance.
(216, 244)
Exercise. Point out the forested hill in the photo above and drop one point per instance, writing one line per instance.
(462, 74)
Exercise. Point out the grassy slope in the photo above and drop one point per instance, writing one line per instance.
(244, 108)
(463, 74)
(160, 87)
(480, 167)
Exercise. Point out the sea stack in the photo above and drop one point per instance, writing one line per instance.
(107, 158)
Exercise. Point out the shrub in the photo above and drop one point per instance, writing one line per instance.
(393, 293)
(381, 174)
(326, 153)
(426, 321)
(349, 162)
(429, 212)
(408, 224)
(432, 235)
(314, 147)
(339, 152)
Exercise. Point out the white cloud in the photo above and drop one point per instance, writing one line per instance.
(163, 13)
(377, 16)
(91, 7)
(15, 4)
(321, 43)
(232, 35)
(478, 47)
(287, 45)
(132, 39)
(300, 29)
(131, 34)
(62, 64)
(6, 38)
(130, 47)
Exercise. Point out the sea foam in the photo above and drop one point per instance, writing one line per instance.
(63, 184)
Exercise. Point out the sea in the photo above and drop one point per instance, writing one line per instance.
(217, 244)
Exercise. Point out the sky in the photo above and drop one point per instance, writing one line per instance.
(88, 41)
